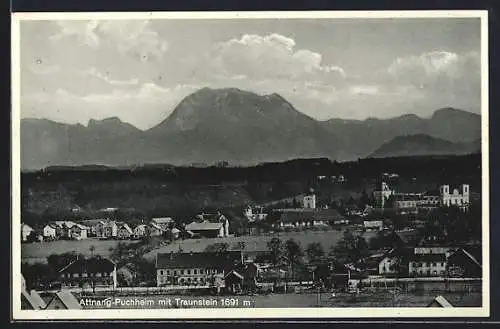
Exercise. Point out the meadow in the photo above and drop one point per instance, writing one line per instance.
(256, 243)
(39, 251)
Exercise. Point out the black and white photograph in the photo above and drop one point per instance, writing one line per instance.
(250, 165)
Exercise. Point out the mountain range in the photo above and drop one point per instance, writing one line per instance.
(242, 128)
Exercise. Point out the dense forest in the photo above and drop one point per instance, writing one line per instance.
(181, 192)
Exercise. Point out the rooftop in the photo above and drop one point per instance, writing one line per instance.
(91, 265)
(197, 260)
(203, 226)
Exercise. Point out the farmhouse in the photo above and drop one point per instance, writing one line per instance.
(155, 230)
(92, 272)
(205, 269)
(107, 230)
(31, 301)
(309, 201)
(163, 222)
(207, 229)
(124, 231)
(141, 231)
(49, 231)
(25, 232)
(78, 232)
(63, 229)
(92, 225)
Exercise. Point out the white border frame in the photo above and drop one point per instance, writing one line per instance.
(244, 313)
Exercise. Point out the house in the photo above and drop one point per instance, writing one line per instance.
(254, 214)
(407, 200)
(63, 300)
(107, 230)
(141, 231)
(49, 231)
(402, 238)
(463, 264)
(89, 272)
(25, 232)
(302, 218)
(78, 232)
(163, 222)
(124, 231)
(439, 301)
(309, 201)
(125, 275)
(205, 269)
(206, 229)
(373, 225)
(175, 233)
(92, 225)
(331, 274)
(63, 228)
(155, 230)
(427, 265)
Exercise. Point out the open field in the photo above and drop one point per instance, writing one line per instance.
(39, 251)
(375, 299)
(257, 243)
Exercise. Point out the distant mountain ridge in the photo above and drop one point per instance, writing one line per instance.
(416, 145)
(233, 125)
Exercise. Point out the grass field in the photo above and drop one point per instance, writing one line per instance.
(39, 251)
(256, 243)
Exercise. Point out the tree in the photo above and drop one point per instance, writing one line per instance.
(351, 248)
(92, 250)
(242, 246)
(276, 250)
(314, 251)
(293, 254)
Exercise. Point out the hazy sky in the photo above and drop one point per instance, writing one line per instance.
(72, 71)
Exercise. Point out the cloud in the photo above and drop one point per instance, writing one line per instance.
(437, 69)
(271, 56)
(131, 37)
(144, 106)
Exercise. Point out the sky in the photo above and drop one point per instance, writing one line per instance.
(139, 70)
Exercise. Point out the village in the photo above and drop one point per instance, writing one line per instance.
(398, 240)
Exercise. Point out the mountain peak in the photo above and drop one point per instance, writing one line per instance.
(447, 111)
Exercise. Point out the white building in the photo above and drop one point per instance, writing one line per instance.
(459, 196)
(373, 225)
(25, 231)
(49, 231)
(382, 195)
(309, 201)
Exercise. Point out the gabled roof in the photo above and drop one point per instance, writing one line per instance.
(156, 226)
(93, 222)
(203, 226)
(33, 299)
(223, 260)
(141, 226)
(235, 273)
(468, 255)
(37, 299)
(126, 227)
(26, 226)
(162, 220)
(92, 265)
(67, 299)
(441, 301)
(428, 257)
(80, 226)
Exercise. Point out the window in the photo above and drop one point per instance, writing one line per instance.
(75, 275)
(161, 272)
(168, 272)
(175, 272)
(182, 271)
(188, 271)
(195, 271)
